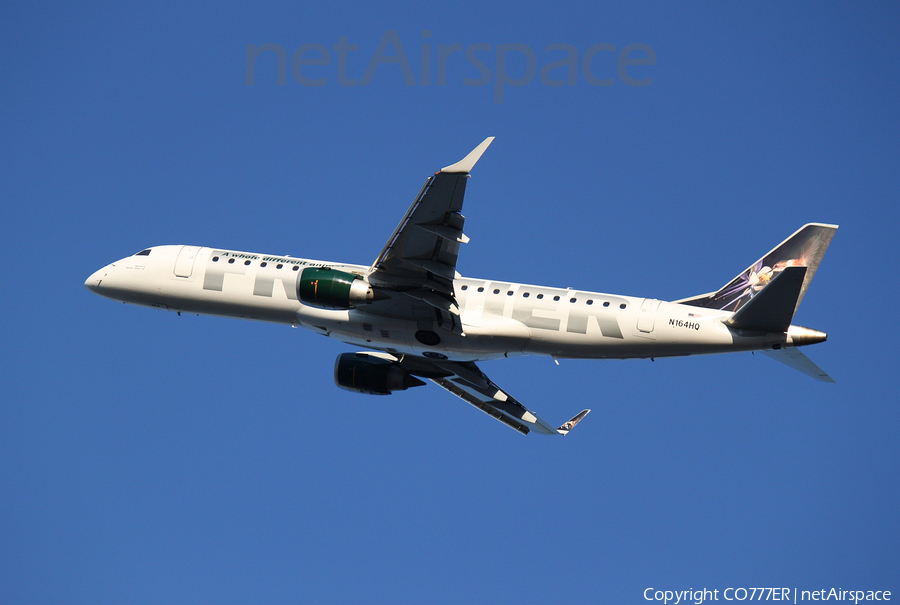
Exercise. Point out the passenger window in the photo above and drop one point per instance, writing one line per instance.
(540, 296)
(571, 300)
(526, 295)
(296, 268)
(481, 289)
(497, 291)
(230, 261)
(556, 298)
(279, 266)
(590, 302)
(606, 303)
(465, 287)
(622, 306)
(263, 264)
(509, 293)
(246, 262)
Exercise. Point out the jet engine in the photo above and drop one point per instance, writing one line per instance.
(372, 375)
(327, 288)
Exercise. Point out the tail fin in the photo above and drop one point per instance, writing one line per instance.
(773, 308)
(805, 248)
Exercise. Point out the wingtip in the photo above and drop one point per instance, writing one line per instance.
(568, 426)
(466, 164)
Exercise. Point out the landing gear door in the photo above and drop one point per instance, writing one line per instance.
(184, 264)
(647, 318)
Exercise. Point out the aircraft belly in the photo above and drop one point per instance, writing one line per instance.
(494, 337)
(677, 330)
(380, 332)
(500, 339)
(231, 304)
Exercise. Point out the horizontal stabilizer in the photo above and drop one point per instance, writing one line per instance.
(773, 308)
(794, 358)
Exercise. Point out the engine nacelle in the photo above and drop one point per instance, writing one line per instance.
(327, 288)
(372, 375)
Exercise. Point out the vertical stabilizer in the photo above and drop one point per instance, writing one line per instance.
(805, 248)
(773, 308)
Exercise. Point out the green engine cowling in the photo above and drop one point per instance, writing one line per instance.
(327, 288)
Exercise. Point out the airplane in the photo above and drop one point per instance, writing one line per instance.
(419, 319)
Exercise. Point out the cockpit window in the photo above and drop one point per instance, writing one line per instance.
(144, 252)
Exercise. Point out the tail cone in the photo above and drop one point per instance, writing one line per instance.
(799, 336)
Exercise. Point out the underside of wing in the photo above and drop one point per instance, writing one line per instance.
(420, 257)
(469, 383)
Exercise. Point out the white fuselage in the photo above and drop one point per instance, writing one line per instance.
(499, 319)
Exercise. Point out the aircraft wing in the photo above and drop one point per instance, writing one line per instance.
(420, 256)
(469, 383)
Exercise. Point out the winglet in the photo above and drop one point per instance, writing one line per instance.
(466, 164)
(568, 426)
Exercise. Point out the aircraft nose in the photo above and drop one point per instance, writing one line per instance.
(93, 282)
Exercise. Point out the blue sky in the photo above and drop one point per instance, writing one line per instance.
(149, 458)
